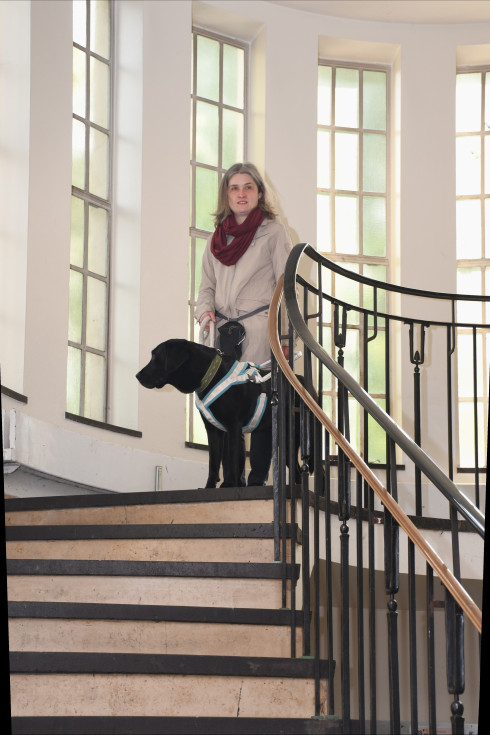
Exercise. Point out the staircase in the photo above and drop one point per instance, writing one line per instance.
(155, 613)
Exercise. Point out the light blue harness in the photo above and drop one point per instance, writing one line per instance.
(240, 372)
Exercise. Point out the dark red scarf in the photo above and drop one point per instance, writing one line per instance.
(243, 235)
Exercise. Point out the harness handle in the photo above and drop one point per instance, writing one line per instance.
(210, 334)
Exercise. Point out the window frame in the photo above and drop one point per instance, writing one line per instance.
(196, 233)
(359, 260)
(481, 263)
(89, 200)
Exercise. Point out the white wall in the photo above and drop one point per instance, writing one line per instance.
(152, 184)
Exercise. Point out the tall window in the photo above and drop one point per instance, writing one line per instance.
(352, 215)
(218, 134)
(473, 255)
(91, 209)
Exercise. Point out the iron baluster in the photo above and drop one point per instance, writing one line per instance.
(360, 607)
(417, 357)
(392, 585)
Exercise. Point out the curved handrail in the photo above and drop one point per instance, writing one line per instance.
(463, 504)
(432, 557)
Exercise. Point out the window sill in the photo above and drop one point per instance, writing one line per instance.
(103, 425)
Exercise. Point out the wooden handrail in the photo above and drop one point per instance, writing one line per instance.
(456, 589)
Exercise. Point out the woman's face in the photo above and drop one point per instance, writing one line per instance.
(243, 196)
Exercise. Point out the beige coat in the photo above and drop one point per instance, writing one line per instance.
(238, 289)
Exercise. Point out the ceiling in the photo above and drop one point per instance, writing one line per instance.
(397, 11)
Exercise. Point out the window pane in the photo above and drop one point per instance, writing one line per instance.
(79, 82)
(351, 351)
(323, 222)
(487, 165)
(94, 387)
(468, 228)
(487, 101)
(75, 307)
(468, 165)
(374, 100)
(200, 244)
(207, 133)
(346, 225)
(374, 226)
(346, 160)
(347, 98)
(99, 93)
(349, 291)
(323, 159)
(79, 22)
(469, 282)
(377, 437)
(96, 313)
(78, 155)
(206, 198)
(77, 231)
(467, 434)
(324, 95)
(207, 68)
(233, 76)
(97, 240)
(99, 164)
(100, 27)
(374, 162)
(74, 365)
(376, 362)
(468, 102)
(233, 135)
(487, 229)
(377, 273)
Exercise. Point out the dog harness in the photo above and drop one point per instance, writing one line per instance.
(240, 372)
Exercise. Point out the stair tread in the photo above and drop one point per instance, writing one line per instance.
(175, 725)
(182, 613)
(23, 662)
(250, 570)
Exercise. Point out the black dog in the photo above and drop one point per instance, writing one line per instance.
(188, 366)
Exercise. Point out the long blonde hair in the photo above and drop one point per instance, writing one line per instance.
(223, 209)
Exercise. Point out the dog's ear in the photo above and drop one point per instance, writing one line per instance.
(175, 354)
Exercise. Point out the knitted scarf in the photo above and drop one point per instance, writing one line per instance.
(242, 237)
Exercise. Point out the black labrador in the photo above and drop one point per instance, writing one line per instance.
(185, 365)
(188, 367)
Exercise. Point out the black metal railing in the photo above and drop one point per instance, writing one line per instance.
(393, 676)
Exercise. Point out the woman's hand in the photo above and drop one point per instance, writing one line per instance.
(210, 315)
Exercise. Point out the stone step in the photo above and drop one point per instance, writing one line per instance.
(62, 627)
(239, 542)
(202, 584)
(126, 685)
(224, 505)
(178, 726)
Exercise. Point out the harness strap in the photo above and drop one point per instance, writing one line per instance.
(240, 372)
(243, 316)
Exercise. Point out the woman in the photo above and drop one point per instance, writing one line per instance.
(242, 262)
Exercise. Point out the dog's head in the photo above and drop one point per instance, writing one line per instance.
(167, 366)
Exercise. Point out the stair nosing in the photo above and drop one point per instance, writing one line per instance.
(155, 613)
(165, 497)
(32, 662)
(82, 567)
(187, 725)
(79, 532)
